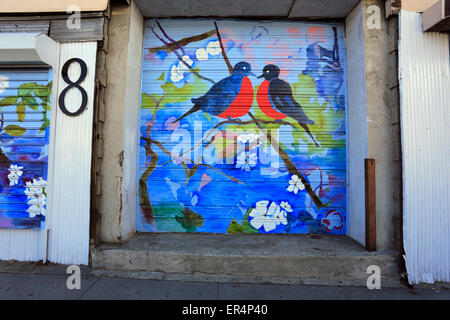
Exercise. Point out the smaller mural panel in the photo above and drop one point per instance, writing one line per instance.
(24, 139)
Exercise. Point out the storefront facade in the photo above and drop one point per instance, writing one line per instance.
(191, 118)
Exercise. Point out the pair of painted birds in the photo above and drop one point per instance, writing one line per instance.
(232, 97)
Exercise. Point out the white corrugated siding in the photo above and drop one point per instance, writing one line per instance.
(425, 121)
(22, 245)
(70, 202)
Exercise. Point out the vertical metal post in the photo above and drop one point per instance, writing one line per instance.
(371, 219)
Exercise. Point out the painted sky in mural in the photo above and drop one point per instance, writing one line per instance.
(242, 130)
(24, 137)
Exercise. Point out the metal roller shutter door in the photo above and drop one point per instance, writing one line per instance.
(249, 154)
(24, 138)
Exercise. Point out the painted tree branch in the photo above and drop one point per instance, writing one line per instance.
(224, 54)
(188, 172)
(2, 124)
(183, 42)
(193, 170)
(164, 149)
(144, 197)
(169, 38)
(181, 59)
(4, 160)
(288, 163)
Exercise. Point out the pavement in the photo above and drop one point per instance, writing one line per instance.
(37, 281)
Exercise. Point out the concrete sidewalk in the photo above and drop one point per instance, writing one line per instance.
(31, 281)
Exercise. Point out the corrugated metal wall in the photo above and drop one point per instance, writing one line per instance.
(22, 245)
(70, 202)
(425, 121)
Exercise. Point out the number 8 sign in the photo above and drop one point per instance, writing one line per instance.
(76, 84)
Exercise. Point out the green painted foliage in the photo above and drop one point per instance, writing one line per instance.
(14, 130)
(161, 77)
(243, 228)
(20, 110)
(149, 101)
(326, 119)
(31, 95)
(190, 220)
(173, 94)
(45, 124)
(8, 101)
(165, 220)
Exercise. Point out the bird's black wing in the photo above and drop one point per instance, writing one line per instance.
(280, 93)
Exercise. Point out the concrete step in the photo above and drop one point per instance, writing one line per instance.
(308, 260)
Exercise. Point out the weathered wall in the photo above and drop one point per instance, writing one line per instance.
(123, 65)
(393, 95)
(382, 120)
(133, 94)
(373, 125)
(356, 122)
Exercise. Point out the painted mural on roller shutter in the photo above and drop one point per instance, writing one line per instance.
(24, 138)
(242, 130)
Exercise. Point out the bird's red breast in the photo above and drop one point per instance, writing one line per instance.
(262, 97)
(242, 103)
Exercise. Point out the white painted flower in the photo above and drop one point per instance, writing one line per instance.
(263, 217)
(36, 197)
(242, 138)
(295, 184)
(34, 191)
(40, 182)
(286, 206)
(14, 175)
(37, 205)
(246, 160)
(184, 66)
(175, 74)
(4, 83)
(250, 138)
(201, 54)
(177, 71)
(35, 210)
(280, 216)
(213, 48)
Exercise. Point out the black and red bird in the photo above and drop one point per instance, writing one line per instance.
(231, 97)
(275, 99)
